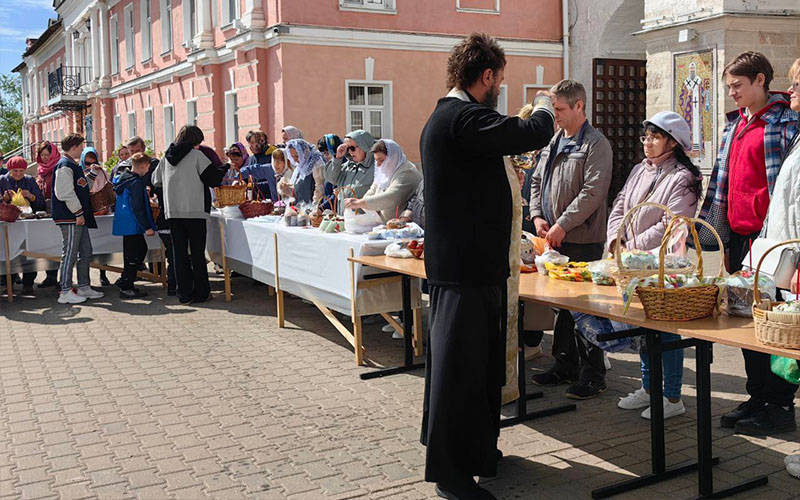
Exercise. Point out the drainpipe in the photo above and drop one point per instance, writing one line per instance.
(565, 35)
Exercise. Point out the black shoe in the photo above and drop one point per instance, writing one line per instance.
(118, 283)
(48, 282)
(469, 490)
(773, 419)
(552, 377)
(132, 293)
(585, 390)
(104, 280)
(748, 409)
(186, 301)
(27, 289)
(171, 293)
(206, 299)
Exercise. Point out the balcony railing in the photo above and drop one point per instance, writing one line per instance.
(69, 81)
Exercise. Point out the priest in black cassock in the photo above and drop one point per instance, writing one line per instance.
(468, 216)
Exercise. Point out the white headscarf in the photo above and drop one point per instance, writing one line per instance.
(394, 158)
(293, 132)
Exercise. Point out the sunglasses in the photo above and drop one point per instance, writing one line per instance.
(351, 149)
(233, 153)
(90, 163)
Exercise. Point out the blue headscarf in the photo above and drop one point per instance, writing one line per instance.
(307, 158)
(332, 142)
(87, 151)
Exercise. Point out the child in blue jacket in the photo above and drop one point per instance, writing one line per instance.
(133, 219)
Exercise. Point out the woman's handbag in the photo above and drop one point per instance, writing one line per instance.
(779, 266)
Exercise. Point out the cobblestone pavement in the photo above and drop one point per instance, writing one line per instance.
(150, 399)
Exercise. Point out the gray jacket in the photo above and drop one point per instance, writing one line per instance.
(183, 185)
(575, 186)
(348, 173)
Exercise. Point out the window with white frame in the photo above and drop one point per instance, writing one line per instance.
(147, 36)
(230, 11)
(148, 124)
(117, 131)
(169, 125)
(231, 117)
(502, 100)
(131, 123)
(191, 112)
(191, 20)
(376, 5)
(478, 6)
(166, 26)
(129, 40)
(114, 36)
(368, 108)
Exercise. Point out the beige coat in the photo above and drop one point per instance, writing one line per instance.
(393, 200)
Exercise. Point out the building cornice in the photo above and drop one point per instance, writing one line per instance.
(744, 21)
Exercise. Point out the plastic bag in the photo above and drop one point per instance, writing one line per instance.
(18, 200)
(398, 250)
(411, 230)
(639, 259)
(551, 256)
(738, 296)
(602, 270)
(785, 368)
(590, 326)
(361, 223)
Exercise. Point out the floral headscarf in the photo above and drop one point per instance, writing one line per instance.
(394, 158)
(307, 158)
(292, 132)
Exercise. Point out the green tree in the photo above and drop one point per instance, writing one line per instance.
(10, 112)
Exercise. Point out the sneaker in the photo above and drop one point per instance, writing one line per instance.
(606, 361)
(48, 282)
(745, 410)
(551, 378)
(773, 419)
(89, 293)
(533, 352)
(670, 409)
(585, 390)
(171, 293)
(387, 328)
(132, 293)
(635, 400)
(27, 289)
(792, 459)
(397, 335)
(70, 297)
(469, 489)
(794, 469)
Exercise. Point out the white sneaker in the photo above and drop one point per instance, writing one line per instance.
(533, 352)
(635, 400)
(794, 469)
(70, 297)
(89, 293)
(606, 361)
(670, 410)
(397, 335)
(791, 459)
(387, 328)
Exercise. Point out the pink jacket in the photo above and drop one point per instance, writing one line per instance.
(649, 224)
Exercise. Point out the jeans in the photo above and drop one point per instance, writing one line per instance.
(76, 251)
(672, 361)
(189, 254)
(134, 251)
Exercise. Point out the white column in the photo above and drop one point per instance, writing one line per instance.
(69, 48)
(205, 37)
(253, 17)
(95, 34)
(105, 45)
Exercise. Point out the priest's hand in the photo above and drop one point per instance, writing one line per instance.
(541, 226)
(555, 236)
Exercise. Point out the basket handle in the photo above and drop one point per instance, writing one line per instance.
(690, 222)
(756, 295)
(627, 220)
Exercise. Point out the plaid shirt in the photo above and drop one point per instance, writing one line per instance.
(780, 129)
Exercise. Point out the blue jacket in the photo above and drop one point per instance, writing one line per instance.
(264, 177)
(62, 214)
(7, 183)
(132, 214)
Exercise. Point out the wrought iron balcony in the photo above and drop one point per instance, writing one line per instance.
(68, 86)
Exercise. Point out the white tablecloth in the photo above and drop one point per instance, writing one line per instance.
(43, 236)
(312, 265)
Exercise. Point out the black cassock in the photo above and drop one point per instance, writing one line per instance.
(467, 236)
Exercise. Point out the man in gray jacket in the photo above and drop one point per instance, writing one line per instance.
(568, 208)
(353, 167)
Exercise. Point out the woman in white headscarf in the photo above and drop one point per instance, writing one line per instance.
(308, 178)
(395, 181)
(289, 132)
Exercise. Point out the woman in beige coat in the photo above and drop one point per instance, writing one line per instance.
(395, 181)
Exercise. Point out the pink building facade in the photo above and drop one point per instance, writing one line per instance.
(113, 69)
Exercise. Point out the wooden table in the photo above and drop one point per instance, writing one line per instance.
(604, 301)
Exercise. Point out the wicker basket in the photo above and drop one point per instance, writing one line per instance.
(252, 209)
(103, 199)
(774, 328)
(230, 195)
(315, 219)
(156, 210)
(680, 304)
(624, 276)
(9, 212)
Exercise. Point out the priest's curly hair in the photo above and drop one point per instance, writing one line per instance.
(470, 58)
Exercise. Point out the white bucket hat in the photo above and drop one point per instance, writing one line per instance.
(673, 124)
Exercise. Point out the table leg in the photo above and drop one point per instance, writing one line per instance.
(408, 354)
(705, 473)
(163, 266)
(278, 291)
(9, 281)
(225, 270)
(523, 415)
(418, 343)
